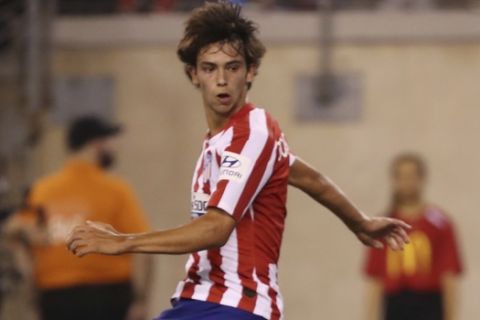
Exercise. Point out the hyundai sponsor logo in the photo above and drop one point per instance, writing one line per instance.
(231, 162)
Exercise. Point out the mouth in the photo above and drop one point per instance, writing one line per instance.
(224, 98)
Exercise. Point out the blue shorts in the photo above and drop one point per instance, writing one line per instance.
(185, 309)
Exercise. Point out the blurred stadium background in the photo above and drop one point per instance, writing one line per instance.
(397, 75)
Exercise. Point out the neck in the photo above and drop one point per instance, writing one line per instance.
(410, 207)
(84, 155)
(217, 121)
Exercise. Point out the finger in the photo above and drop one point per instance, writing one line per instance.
(100, 226)
(371, 242)
(82, 251)
(75, 230)
(376, 244)
(76, 237)
(78, 231)
(70, 240)
(398, 240)
(71, 246)
(77, 244)
(403, 234)
(392, 243)
(401, 224)
(81, 228)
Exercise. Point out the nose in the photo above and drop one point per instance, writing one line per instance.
(221, 79)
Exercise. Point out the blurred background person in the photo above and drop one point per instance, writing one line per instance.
(420, 282)
(97, 287)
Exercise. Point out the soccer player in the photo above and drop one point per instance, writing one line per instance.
(239, 187)
(418, 283)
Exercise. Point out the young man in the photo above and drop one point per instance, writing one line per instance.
(420, 282)
(99, 287)
(239, 187)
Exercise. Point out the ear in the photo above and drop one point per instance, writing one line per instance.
(97, 144)
(191, 71)
(251, 73)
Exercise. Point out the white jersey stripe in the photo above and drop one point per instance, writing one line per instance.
(267, 174)
(204, 267)
(197, 168)
(229, 253)
(263, 306)
(253, 149)
(272, 270)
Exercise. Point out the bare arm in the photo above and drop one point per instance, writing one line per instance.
(325, 192)
(374, 300)
(450, 296)
(209, 231)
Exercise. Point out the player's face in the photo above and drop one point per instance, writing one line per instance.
(407, 181)
(222, 76)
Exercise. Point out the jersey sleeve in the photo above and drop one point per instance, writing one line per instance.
(130, 217)
(291, 158)
(449, 259)
(244, 170)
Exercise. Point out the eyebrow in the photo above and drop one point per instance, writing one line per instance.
(229, 63)
(234, 62)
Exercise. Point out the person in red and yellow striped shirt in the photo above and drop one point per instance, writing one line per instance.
(418, 282)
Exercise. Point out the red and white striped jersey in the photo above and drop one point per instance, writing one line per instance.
(242, 170)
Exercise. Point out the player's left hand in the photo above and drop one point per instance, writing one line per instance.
(371, 231)
(95, 237)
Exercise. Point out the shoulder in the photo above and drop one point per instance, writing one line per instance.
(46, 184)
(438, 217)
(261, 119)
(116, 183)
(258, 123)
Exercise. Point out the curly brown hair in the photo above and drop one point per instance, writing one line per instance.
(219, 21)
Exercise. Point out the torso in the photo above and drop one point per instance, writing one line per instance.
(243, 170)
(420, 266)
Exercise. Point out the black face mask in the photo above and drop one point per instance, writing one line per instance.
(106, 160)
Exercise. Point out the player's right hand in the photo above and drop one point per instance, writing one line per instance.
(96, 237)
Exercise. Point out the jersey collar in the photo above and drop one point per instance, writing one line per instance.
(237, 115)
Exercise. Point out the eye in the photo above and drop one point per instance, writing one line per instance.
(208, 68)
(234, 67)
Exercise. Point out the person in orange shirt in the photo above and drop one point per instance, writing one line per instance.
(95, 287)
(420, 281)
